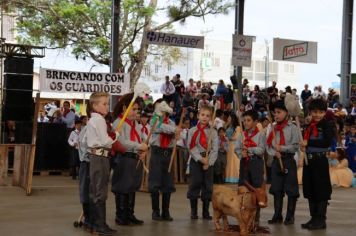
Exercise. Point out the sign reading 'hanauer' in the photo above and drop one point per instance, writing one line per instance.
(83, 82)
(176, 40)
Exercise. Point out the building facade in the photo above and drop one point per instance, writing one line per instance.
(214, 63)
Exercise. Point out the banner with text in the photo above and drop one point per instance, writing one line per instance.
(241, 50)
(295, 50)
(188, 41)
(83, 82)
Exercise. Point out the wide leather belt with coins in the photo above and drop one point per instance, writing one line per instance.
(101, 152)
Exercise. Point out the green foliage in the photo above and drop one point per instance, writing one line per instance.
(84, 25)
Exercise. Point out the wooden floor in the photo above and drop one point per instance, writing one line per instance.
(54, 206)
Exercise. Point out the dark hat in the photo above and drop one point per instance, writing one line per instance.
(245, 81)
(280, 105)
(146, 113)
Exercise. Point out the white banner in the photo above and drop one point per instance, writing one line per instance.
(188, 41)
(295, 50)
(241, 50)
(83, 82)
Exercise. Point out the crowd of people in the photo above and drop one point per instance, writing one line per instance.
(197, 94)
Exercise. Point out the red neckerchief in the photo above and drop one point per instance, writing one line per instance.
(312, 129)
(165, 139)
(133, 132)
(222, 140)
(65, 112)
(248, 138)
(279, 128)
(202, 140)
(144, 129)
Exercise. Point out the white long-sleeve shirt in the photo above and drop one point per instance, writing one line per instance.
(183, 139)
(97, 135)
(73, 138)
(168, 89)
(69, 119)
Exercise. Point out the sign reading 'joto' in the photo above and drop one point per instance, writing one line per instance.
(295, 50)
(188, 41)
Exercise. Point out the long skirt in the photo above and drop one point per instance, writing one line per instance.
(232, 166)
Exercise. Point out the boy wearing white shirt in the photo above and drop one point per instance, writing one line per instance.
(99, 144)
(73, 143)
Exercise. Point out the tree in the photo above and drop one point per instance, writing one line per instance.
(84, 26)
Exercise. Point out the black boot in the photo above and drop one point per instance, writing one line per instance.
(87, 225)
(101, 227)
(289, 220)
(92, 215)
(132, 217)
(106, 225)
(278, 206)
(122, 204)
(206, 215)
(313, 212)
(257, 217)
(319, 222)
(194, 209)
(166, 198)
(155, 206)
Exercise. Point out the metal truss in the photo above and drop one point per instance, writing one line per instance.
(19, 50)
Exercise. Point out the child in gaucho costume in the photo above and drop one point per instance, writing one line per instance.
(201, 164)
(282, 144)
(251, 147)
(318, 137)
(127, 176)
(161, 145)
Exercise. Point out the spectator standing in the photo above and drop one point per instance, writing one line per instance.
(245, 83)
(178, 94)
(74, 154)
(306, 98)
(67, 116)
(191, 87)
(333, 98)
(207, 89)
(253, 95)
(168, 90)
(228, 98)
(199, 87)
(221, 90)
(319, 93)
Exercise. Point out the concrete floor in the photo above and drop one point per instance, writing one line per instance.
(54, 206)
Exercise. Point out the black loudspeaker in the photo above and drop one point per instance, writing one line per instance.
(18, 65)
(18, 80)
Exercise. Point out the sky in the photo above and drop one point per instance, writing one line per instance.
(316, 20)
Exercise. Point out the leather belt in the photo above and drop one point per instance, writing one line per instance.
(165, 151)
(131, 155)
(101, 152)
(285, 155)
